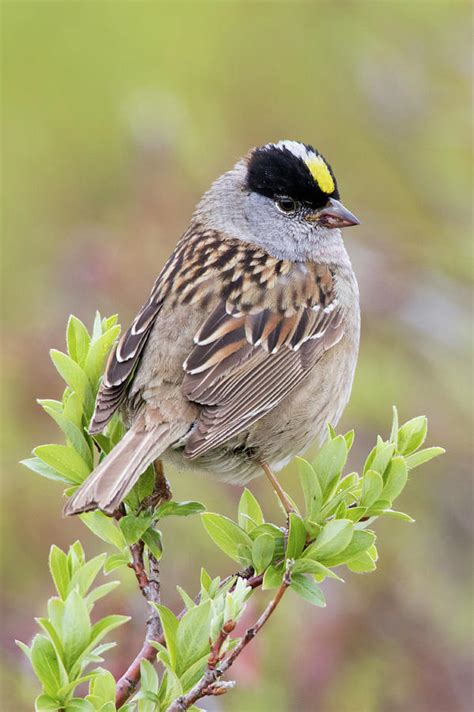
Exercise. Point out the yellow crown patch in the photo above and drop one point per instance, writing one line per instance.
(321, 173)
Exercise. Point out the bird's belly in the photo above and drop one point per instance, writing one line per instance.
(301, 419)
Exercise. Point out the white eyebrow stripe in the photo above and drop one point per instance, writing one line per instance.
(297, 149)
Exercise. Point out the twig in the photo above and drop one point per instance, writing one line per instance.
(150, 587)
(281, 494)
(216, 648)
(127, 684)
(149, 584)
(209, 682)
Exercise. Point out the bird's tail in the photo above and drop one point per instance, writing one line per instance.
(115, 476)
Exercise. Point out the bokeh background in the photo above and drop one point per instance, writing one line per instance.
(116, 116)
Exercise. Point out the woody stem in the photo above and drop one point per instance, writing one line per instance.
(281, 494)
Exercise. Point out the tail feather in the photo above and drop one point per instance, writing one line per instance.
(115, 476)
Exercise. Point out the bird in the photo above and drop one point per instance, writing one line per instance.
(247, 345)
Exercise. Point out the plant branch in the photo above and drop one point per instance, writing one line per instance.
(209, 683)
(150, 587)
(149, 584)
(128, 682)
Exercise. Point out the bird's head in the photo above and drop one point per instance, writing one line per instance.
(284, 197)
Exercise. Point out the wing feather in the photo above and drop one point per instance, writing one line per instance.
(243, 365)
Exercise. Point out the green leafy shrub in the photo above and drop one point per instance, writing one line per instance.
(196, 647)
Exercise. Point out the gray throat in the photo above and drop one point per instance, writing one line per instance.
(229, 208)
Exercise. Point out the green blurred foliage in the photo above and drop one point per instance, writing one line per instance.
(116, 116)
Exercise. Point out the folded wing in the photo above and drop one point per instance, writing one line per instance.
(244, 363)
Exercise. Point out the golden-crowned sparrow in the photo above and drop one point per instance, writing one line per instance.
(247, 345)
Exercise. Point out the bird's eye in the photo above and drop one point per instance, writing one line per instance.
(286, 205)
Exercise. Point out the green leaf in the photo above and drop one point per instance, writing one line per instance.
(76, 556)
(41, 468)
(379, 457)
(70, 686)
(169, 624)
(296, 537)
(97, 354)
(105, 528)
(275, 532)
(263, 548)
(51, 631)
(74, 435)
(330, 462)
(103, 443)
(56, 613)
(205, 580)
(101, 591)
(179, 509)
(43, 703)
(348, 483)
(272, 577)
(313, 496)
(186, 598)
(114, 561)
(24, 648)
(398, 515)
(373, 553)
(152, 538)
(226, 534)
(65, 460)
(74, 376)
(58, 566)
(76, 628)
(331, 432)
(355, 513)
(102, 686)
(147, 702)
(109, 321)
(94, 655)
(46, 665)
(250, 514)
(194, 672)
(349, 438)
(77, 704)
(72, 408)
(372, 486)
(333, 538)
(145, 484)
(245, 555)
(116, 429)
(97, 327)
(54, 406)
(419, 458)
(192, 638)
(133, 527)
(148, 676)
(394, 431)
(395, 480)
(412, 435)
(106, 625)
(78, 340)
(362, 564)
(341, 510)
(170, 689)
(316, 568)
(85, 575)
(361, 541)
(308, 589)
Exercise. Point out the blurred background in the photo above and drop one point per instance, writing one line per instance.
(116, 117)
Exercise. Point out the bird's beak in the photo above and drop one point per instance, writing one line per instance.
(334, 214)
